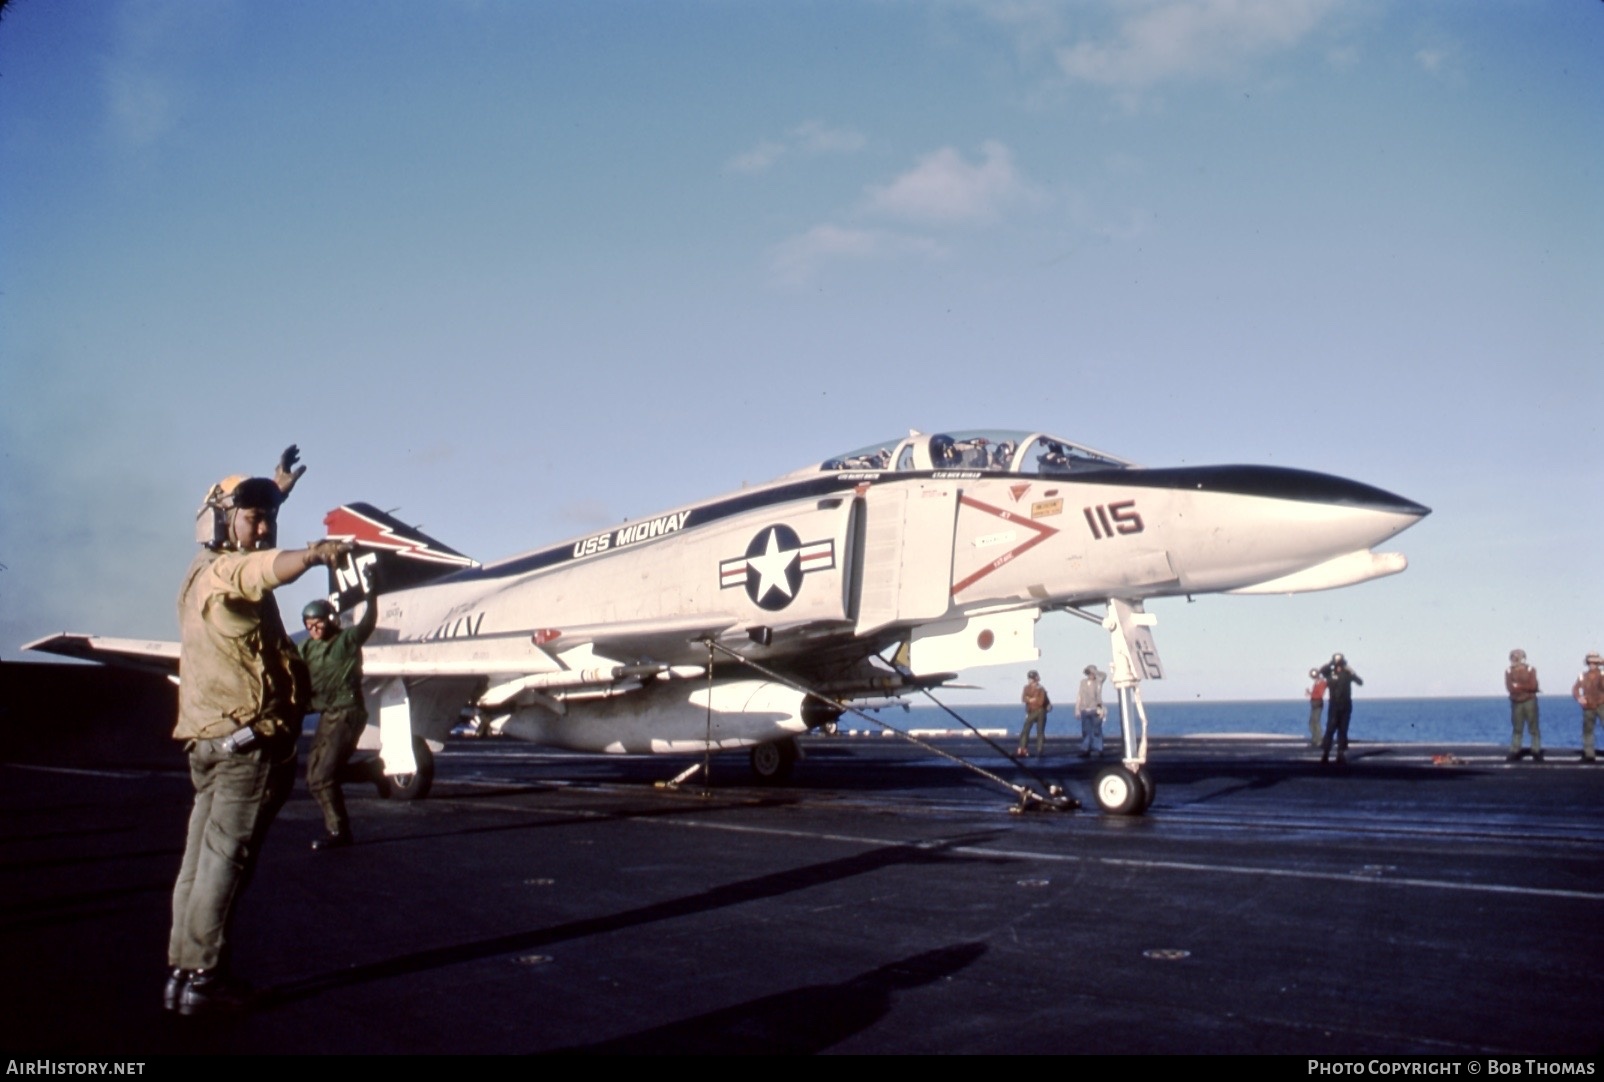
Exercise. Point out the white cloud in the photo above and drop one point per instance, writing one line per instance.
(798, 258)
(140, 103)
(1436, 59)
(758, 158)
(1186, 40)
(808, 139)
(147, 74)
(1343, 57)
(813, 137)
(944, 188)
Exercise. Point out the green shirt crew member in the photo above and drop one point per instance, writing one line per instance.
(334, 657)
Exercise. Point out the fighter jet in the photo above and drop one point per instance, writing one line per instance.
(745, 621)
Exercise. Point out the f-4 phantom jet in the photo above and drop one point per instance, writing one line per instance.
(747, 620)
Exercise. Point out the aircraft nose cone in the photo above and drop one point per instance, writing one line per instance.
(1281, 483)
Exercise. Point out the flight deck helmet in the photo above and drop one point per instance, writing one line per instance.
(235, 493)
(317, 610)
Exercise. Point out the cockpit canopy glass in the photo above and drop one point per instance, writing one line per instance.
(876, 456)
(991, 450)
(1053, 456)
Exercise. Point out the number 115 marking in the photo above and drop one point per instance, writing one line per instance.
(1108, 519)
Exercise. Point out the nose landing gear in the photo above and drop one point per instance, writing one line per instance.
(1123, 791)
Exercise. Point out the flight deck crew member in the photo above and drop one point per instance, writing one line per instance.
(1091, 712)
(1036, 706)
(1339, 682)
(1520, 680)
(241, 697)
(1588, 691)
(1317, 698)
(334, 659)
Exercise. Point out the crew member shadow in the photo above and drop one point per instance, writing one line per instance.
(799, 1022)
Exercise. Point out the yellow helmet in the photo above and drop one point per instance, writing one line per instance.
(234, 492)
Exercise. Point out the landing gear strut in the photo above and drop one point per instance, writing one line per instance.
(412, 786)
(1127, 788)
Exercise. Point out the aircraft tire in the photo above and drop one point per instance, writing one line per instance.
(1118, 791)
(1144, 778)
(773, 762)
(414, 786)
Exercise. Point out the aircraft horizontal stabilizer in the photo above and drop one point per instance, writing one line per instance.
(152, 656)
(1342, 571)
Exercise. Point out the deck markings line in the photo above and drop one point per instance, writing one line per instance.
(1159, 865)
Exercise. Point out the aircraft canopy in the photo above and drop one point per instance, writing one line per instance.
(996, 450)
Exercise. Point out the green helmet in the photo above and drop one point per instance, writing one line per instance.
(317, 610)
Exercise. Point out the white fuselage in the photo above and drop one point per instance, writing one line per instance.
(848, 562)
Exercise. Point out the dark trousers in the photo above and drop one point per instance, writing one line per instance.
(337, 734)
(1337, 726)
(236, 797)
(1038, 720)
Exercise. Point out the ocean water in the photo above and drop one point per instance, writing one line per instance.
(1393, 721)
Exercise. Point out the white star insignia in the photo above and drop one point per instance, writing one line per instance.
(771, 567)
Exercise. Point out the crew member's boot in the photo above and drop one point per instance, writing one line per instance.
(211, 992)
(337, 840)
(176, 980)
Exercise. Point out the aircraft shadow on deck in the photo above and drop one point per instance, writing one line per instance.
(773, 885)
(799, 1022)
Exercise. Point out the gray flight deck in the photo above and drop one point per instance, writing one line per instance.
(887, 901)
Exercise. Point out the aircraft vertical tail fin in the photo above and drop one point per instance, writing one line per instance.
(406, 557)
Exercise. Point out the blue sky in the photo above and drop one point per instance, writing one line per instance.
(525, 270)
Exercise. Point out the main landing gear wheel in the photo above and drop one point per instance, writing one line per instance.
(772, 763)
(414, 786)
(1144, 778)
(1119, 792)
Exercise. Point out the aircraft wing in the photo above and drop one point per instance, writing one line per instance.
(558, 651)
(584, 662)
(674, 640)
(146, 655)
(457, 657)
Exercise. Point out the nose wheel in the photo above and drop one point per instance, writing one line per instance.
(1123, 791)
